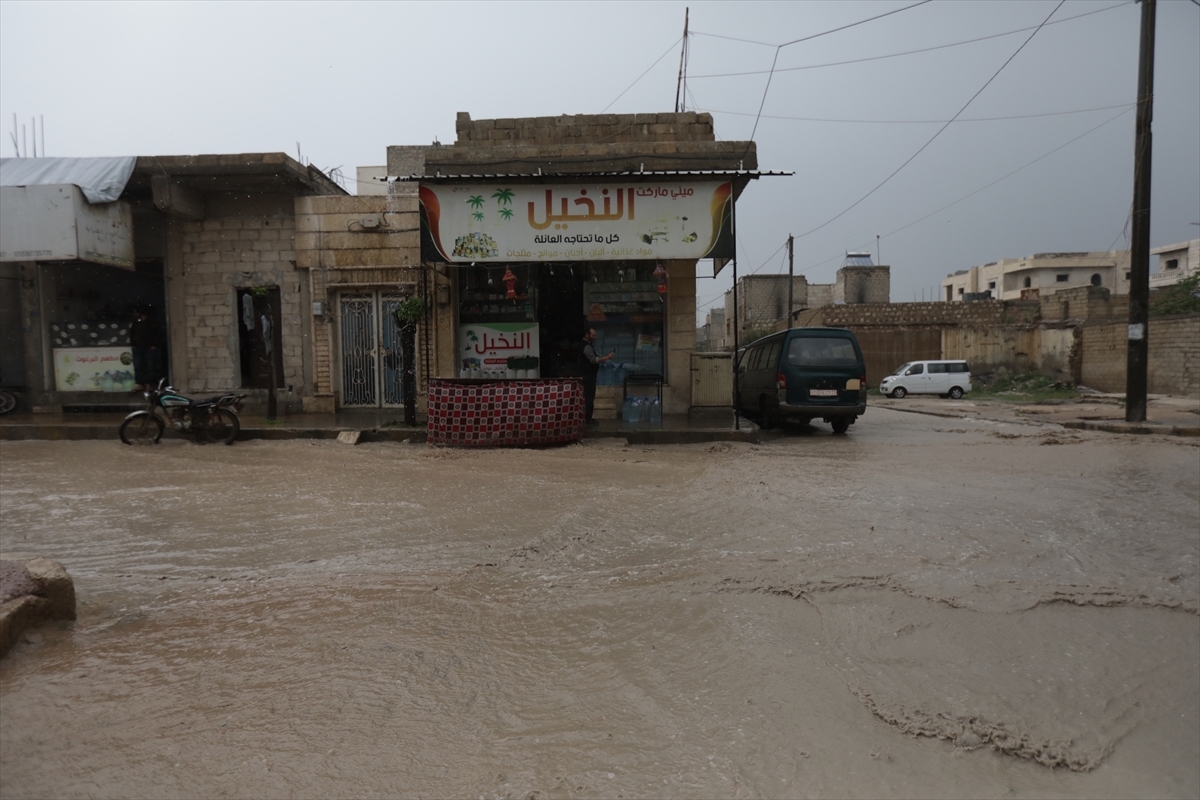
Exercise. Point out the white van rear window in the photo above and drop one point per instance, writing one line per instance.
(821, 351)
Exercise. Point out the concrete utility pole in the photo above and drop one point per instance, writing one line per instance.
(791, 279)
(1139, 245)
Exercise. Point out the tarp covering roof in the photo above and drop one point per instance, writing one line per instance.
(102, 180)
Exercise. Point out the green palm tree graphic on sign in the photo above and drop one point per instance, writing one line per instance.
(506, 213)
(477, 216)
(503, 196)
(475, 201)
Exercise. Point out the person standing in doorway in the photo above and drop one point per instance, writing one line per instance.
(591, 366)
(143, 337)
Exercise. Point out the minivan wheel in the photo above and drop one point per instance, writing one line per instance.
(841, 424)
(955, 392)
(899, 392)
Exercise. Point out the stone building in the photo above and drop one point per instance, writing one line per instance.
(1175, 263)
(211, 254)
(1039, 274)
(637, 288)
(762, 299)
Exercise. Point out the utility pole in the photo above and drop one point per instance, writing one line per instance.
(1139, 245)
(791, 279)
(682, 54)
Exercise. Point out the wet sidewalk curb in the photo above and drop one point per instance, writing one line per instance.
(1105, 426)
(26, 431)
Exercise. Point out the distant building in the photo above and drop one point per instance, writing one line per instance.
(1039, 275)
(1175, 262)
(711, 335)
(370, 180)
(762, 299)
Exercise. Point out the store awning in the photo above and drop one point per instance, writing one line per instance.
(576, 177)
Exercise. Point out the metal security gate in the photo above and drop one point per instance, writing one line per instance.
(372, 360)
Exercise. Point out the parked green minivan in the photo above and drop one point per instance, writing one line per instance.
(803, 374)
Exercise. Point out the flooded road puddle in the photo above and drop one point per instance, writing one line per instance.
(290, 619)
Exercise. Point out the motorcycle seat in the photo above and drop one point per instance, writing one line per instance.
(209, 401)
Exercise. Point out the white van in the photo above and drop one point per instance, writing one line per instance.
(945, 378)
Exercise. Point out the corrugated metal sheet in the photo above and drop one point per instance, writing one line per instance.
(712, 380)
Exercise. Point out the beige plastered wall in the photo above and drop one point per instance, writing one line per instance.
(365, 244)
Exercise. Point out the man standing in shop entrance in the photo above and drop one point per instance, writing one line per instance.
(591, 365)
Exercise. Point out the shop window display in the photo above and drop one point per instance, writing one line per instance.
(623, 301)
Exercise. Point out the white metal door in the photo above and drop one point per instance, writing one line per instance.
(372, 359)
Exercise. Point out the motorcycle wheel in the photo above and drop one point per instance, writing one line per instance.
(7, 402)
(141, 430)
(223, 426)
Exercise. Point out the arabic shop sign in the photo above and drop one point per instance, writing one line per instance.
(580, 222)
(488, 347)
(93, 369)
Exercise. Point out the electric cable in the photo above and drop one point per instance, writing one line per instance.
(639, 77)
(918, 121)
(894, 55)
(767, 88)
(896, 172)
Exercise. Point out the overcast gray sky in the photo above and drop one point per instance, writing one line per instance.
(346, 80)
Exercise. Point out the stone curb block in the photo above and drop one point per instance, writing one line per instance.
(53, 599)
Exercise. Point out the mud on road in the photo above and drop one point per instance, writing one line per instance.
(926, 607)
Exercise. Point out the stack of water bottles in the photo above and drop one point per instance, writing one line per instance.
(642, 409)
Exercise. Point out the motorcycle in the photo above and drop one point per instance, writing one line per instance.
(213, 419)
(8, 397)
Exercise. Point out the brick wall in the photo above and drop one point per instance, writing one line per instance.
(688, 126)
(587, 143)
(979, 313)
(1174, 366)
(238, 245)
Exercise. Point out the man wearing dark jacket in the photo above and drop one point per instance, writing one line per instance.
(143, 338)
(591, 366)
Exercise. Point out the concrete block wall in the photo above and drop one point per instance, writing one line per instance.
(585, 129)
(1174, 365)
(220, 255)
(863, 285)
(587, 143)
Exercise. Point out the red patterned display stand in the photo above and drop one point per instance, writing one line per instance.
(505, 413)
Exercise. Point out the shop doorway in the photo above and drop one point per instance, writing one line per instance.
(372, 357)
(560, 316)
(258, 320)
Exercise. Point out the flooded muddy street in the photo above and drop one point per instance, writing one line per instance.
(926, 607)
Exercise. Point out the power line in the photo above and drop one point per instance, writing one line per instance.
(810, 38)
(961, 199)
(917, 121)
(940, 130)
(894, 55)
(639, 77)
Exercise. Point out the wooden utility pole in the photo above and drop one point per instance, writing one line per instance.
(1139, 245)
(791, 278)
(682, 58)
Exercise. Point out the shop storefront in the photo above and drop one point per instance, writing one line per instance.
(537, 263)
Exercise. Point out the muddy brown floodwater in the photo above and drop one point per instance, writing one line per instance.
(926, 607)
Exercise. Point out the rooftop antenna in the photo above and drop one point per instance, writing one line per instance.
(33, 127)
(16, 144)
(681, 81)
(42, 128)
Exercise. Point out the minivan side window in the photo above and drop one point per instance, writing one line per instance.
(753, 357)
(937, 368)
(960, 366)
(772, 359)
(916, 369)
(821, 351)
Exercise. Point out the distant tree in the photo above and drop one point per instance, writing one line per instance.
(1182, 298)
